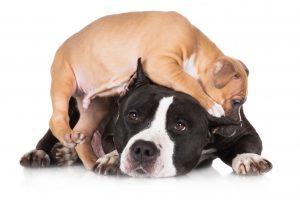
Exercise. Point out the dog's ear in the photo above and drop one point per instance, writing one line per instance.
(223, 71)
(223, 126)
(137, 80)
(141, 78)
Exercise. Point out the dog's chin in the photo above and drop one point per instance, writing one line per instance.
(150, 170)
(136, 170)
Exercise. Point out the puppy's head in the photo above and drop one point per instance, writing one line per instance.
(159, 132)
(227, 84)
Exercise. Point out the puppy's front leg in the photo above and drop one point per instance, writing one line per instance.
(167, 72)
(87, 124)
(63, 86)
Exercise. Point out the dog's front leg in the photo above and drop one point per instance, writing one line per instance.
(244, 155)
(108, 164)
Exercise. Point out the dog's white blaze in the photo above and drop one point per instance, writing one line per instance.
(190, 68)
(157, 134)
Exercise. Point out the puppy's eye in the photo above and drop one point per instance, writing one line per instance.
(133, 115)
(180, 126)
(235, 103)
(237, 76)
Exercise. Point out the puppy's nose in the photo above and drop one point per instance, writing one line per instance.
(143, 151)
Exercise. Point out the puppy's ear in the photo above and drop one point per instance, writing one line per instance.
(223, 126)
(141, 78)
(223, 71)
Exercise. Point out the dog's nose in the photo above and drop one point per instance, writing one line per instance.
(143, 151)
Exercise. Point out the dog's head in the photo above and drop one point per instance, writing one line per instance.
(227, 84)
(160, 132)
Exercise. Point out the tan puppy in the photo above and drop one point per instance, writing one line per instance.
(98, 62)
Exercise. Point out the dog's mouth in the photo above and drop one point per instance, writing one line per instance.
(141, 171)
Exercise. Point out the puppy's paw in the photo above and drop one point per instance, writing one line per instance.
(72, 139)
(35, 159)
(109, 164)
(62, 155)
(216, 110)
(250, 164)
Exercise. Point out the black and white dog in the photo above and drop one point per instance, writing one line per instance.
(157, 132)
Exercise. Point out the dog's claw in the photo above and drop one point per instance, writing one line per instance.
(108, 164)
(250, 164)
(62, 155)
(35, 159)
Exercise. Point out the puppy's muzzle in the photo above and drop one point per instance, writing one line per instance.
(144, 152)
(235, 114)
(230, 129)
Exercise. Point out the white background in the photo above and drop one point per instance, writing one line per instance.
(263, 34)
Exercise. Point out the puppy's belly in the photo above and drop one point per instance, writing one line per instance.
(102, 82)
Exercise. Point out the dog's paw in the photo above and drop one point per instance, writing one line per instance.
(216, 110)
(109, 164)
(72, 139)
(250, 164)
(62, 155)
(35, 159)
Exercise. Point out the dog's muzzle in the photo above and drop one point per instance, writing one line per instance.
(143, 156)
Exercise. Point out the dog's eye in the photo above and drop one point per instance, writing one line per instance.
(132, 115)
(235, 103)
(180, 126)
